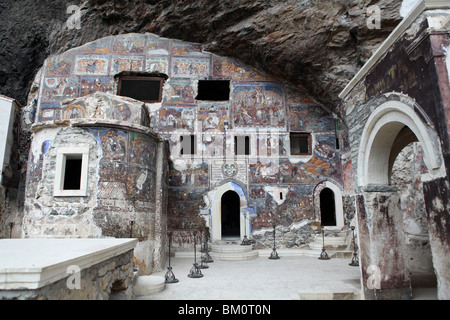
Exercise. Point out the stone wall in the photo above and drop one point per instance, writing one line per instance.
(401, 92)
(124, 192)
(110, 279)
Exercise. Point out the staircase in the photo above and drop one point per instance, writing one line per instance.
(232, 250)
(337, 245)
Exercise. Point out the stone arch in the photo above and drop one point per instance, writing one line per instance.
(338, 203)
(390, 127)
(215, 218)
(378, 137)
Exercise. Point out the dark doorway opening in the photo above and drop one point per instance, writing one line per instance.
(230, 205)
(327, 208)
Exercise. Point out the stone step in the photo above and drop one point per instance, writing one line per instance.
(353, 295)
(147, 285)
(232, 252)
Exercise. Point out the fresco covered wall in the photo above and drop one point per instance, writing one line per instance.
(260, 107)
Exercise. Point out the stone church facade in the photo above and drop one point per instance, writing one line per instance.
(134, 135)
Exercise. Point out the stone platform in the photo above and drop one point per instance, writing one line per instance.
(40, 268)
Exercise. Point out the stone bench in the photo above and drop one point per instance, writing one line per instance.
(66, 269)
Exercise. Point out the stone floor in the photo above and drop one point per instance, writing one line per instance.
(289, 278)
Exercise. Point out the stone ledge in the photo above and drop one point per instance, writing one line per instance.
(34, 263)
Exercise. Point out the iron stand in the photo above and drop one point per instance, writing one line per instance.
(355, 260)
(274, 253)
(170, 277)
(195, 270)
(206, 258)
(245, 241)
(323, 254)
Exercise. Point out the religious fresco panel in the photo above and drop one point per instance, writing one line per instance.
(92, 85)
(310, 119)
(49, 112)
(173, 118)
(214, 116)
(75, 111)
(142, 150)
(264, 171)
(57, 89)
(91, 64)
(178, 92)
(228, 69)
(194, 175)
(114, 144)
(59, 65)
(193, 68)
(129, 44)
(158, 46)
(157, 64)
(258, 104)
(127, 63)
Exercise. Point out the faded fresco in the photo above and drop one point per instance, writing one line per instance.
(259, 107)
(258, 104)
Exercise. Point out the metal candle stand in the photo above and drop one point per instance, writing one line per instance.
(195, 270)
(206, 258)
(245, 241)
(323, 254)
(274, 253)
(170, 277)
(355, 261)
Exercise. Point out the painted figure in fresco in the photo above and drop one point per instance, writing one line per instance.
(122, 112)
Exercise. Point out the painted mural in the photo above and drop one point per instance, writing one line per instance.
(258, 104)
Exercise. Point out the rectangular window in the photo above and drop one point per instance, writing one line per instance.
(71, 172)
(242, 145)
(300, 143)
(141, 88)
(188, 145)
(213, 90)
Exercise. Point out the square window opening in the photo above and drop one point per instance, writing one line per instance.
(300, 143)
(213, 90)
(141, 88)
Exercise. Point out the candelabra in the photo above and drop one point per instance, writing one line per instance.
(323, 254)
(170, 276)
(195, 270)
(274, 253)
(355, 261)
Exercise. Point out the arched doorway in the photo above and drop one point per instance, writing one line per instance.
(230, 214)
(390, 128)
(327, 208)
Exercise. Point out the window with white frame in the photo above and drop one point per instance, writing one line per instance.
(71, 172)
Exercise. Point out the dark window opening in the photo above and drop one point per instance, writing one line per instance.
(188, 145)
(213, 90)
(242, 145)
(300, 143)
(337, 144)
(231, 208)
(72, 173)
(327, 208)
(141, 88)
